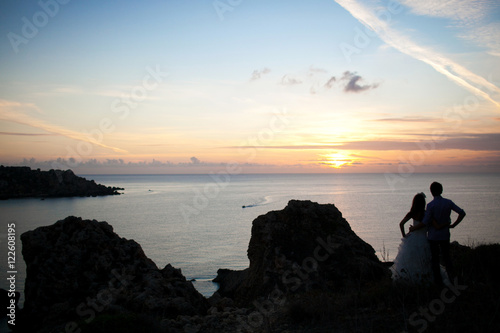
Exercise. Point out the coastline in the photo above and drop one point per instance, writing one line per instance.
(23, 182)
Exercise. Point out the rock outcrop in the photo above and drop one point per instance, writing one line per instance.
(23, 182)
(304, 246)
(308, 272)
(79, 269)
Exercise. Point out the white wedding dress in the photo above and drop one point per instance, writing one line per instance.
(413, 261)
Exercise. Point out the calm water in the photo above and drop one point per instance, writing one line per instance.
(197, 223)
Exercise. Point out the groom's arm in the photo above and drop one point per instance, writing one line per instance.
(460, 217)
(460, 212)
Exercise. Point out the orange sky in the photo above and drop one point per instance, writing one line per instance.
(329, 87)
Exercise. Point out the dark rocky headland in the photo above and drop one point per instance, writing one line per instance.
(309, 272)
(23, 182)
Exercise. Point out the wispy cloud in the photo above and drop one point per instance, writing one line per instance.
(329, 84)
(26, 134)
(257, 74)
(474, 142)
(55, 90)
(316, 70)
(292, 147)
(287, 80)
(13, 112)
(194, 165)
(412, 120)
(452, 70)
(319, 79)
(460, 10)
(470, 17)
(5, 105)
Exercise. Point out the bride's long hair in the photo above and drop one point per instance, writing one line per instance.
(418, 207)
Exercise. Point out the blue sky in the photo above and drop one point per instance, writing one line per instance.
(295, 82)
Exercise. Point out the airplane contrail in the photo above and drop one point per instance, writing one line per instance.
(455, 72)
(21, 118)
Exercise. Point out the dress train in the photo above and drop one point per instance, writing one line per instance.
(413, 261)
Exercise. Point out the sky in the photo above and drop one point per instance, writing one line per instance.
(240, 86)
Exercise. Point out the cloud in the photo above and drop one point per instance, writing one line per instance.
(313, 70)
(353, 83)
(474, 142)
(9, 105)
(257, 74)
(330, 82)
(462, 10)
(54, 90)
(486, 35)
(412, 119)
(454, 71)
(9, 111)
(318, 79)
(290, 81)
(120, 166)
(26, 134)
(291, 147)
(195, 160)
(471, 17)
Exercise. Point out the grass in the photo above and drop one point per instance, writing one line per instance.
(386, 307)
(381, 306)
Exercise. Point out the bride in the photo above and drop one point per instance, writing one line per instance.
(413, 261)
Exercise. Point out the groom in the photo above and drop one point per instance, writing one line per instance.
(438, 222)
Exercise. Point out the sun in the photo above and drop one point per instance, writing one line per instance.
(337, 160)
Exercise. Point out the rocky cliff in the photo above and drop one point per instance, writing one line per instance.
(78, 270)
(309, 272)
(305, 246)
(23, 182)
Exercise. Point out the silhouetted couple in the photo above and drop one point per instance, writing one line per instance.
(418, 258)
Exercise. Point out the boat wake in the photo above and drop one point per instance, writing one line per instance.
(264, 201)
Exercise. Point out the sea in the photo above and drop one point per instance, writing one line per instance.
(201, 223)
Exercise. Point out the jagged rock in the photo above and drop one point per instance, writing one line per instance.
(79, 269)
(306, 245)
(229, 280)
(22, 182)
